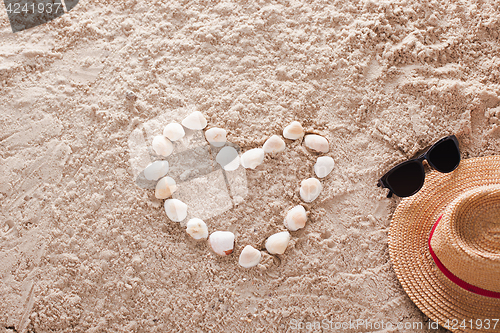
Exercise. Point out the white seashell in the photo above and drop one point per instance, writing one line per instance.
(310, 189)
(195, 121)
(162, 146)
(293, 131)
(156, 170)
(197, 229)
(174, 131)
(165, 187)
(274, 144)
(176, 210)
(249, 257)
(216, 136)
(324, 165)
(228, 158)
(296, 218)
(222, 242)
(317, 143)
(252, 158)
(277, 243)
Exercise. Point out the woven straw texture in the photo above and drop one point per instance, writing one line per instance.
(467, 239)
(437, 297)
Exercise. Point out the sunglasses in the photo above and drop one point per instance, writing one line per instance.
(407, 178)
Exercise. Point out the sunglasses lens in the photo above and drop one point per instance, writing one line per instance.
(445, 156)
(407, 179)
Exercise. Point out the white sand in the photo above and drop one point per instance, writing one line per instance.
(83, 249)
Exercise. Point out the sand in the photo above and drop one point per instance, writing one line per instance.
(84, 248)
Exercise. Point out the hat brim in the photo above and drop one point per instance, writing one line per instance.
(434, 294)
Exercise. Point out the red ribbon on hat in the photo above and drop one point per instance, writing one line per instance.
(455, 279)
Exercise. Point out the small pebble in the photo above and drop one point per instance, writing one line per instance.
(274, 144)
(174, 131)
(324, 165)
(165, 187)
(249, 257)
(162, 146)
(130, 95)
(293, 131)
(195, 121)
(317, 143)
(222, 242)
(277, 243)
(228, 158)
(197, 229)
(156, 170)
(296, 218)
(216, 136)
(310, 189)
(252, 158)
(176, 210)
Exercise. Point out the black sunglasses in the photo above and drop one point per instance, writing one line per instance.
(407, 178)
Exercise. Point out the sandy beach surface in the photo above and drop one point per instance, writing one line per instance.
(86, 247)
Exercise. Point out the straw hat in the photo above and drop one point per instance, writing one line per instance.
(444, 243)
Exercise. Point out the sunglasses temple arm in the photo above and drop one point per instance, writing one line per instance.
(381, 184)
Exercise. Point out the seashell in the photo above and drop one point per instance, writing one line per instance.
(317, 143)
(162, 146)
(222, 242)
(228, 158)
(277, 243)
(296, 218)
(293, 131)
(165, 187)
(249, 257)
(176, 210)
(174, 131)
(197, 229)
(216, 136)
(310, 189)
(195, 121)
(324, 165)
(252, 158)
(156, 170)
(274, 144)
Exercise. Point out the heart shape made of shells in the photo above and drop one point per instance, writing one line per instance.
(222, 242)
